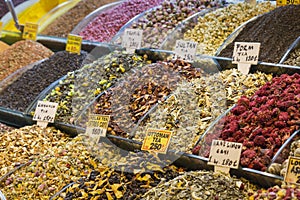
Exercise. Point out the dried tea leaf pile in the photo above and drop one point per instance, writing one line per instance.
(20, 54)
(284, 191)
(294, 58)
(22, 145)
(82, 86)
(213, 28)
(262, 122)
(269, 33)
(201, 185)
(23, 91)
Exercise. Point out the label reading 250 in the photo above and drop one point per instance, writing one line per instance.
(157, 140)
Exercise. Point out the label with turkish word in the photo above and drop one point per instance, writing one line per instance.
(226, 154)
(132, 39)
(30, 31)
(293, 171)
(97, 126)
(45, 112)
(287, 2)
(157, 140)
(185, 50)
(74, 44)
(246, 52)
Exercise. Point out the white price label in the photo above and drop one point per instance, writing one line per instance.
(97, 126)
(225, 154)
(45, 112)
(246, 52)
(185, 50)
(132, 39)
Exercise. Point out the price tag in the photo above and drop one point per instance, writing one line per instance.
(245, 54)
(74, 44)
(45, 113)
(287, 2)
(132, 39)
(293, 171)
(225, 155)
(1, 24)
(185, 50)
(30, 31)
(97, 126)
(157, 140)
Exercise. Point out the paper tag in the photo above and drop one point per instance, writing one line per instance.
(244, 68)
(287, 2)
(97, 126)
(293, 170)
(74, 44)
(1, 25)
(45, 112)
(157, 140)
(225, 154)
(185, 50)
(132, 39)
(246, 52)
(30, 31)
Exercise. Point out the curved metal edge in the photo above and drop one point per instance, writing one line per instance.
(284, 145)
(293, 46)
(14, 118)
(43, 94)
(61, 191)
(90, 17)
(119, 34)
(14, 170)
(16, 74)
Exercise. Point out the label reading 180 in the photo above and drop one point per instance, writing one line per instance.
(157, 140)
(30, 31)
(97, 126)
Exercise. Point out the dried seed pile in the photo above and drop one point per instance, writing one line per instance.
(269, 33)
(3, 46)
(263, 121)
(4, 8)
(279, 167)
(108, 23)
(21, 145)
(213, 28)
(160, 22)
(294, 58)
(201, 185)
(20, 54)
(277, 192)
(64, 24)
(82, 86)
(105, 183)
(63, 163)
(31, 83)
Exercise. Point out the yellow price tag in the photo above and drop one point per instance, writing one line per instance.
(74, 44)
(287, 2)
(30, 31)
(157, 140)
(293, 171)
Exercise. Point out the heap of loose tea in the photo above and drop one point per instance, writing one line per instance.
(82, 86)
(23, 91)
(21, 54)
(201, 185)
(269, 33)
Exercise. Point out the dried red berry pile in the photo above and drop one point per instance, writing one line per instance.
(262, 122)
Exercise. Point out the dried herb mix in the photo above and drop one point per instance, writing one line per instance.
(64, 24)
(82, 86)
(269, 30)
(20, 54)
(29, 85)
